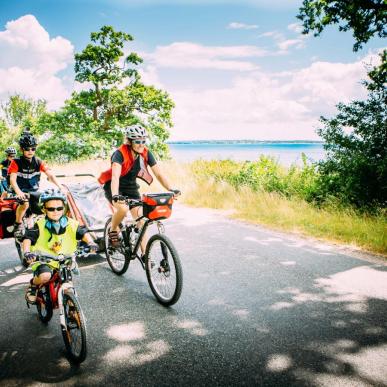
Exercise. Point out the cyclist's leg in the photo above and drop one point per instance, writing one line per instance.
(136, 212)
(41, 275)
(120, 211)
(21, 211)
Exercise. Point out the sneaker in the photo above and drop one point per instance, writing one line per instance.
(31, 294)
(114, 240)
(18, 230)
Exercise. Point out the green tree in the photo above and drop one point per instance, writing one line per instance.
(19, 111)
(355, 169)
(115, 98)
(365, 18)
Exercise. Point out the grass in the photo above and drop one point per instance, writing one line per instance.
(334, 224)
(292, 214)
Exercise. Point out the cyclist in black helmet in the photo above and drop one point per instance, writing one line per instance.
(24, 175)
(11, 154)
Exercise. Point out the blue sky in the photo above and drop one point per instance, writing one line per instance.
(235, 69)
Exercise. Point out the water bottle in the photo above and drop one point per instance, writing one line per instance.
(133, 237)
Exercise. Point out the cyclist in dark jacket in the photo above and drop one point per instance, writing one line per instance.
(24, 175)
(11, 153)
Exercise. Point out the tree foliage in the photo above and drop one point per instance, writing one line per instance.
(365, 18)
(356, 143)
(113, 96)
(19, 111)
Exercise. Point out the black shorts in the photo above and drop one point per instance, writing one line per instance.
(42, 269)
(34, 202)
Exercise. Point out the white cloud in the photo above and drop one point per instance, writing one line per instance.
(286, 44)
(241, 26)
(295, 27)
(31, 60)
(268, 106)
(282, 42)
(192, 55)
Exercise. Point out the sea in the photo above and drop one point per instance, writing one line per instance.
(285, 152)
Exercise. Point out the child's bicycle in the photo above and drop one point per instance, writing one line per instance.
(59, 293)
(161, 260)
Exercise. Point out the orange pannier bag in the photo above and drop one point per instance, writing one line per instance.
(157, 206)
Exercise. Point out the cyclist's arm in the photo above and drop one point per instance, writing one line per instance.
(161, 177)
(116, 173)
(12, 180)
(12, 172)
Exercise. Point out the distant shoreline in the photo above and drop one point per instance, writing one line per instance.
(245, 142)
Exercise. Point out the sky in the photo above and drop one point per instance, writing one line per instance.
(236, 69)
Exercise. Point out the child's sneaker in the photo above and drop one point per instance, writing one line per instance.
(31, 294)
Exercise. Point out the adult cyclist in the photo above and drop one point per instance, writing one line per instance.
(129, 162)
(24, 175)
(10, 155)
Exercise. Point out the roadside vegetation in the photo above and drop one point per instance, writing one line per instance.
(266, 193)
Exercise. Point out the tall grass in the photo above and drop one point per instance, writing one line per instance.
(278, 200)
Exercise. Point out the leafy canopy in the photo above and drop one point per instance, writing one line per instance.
(113, 97)
(356, 143)
(365, 18)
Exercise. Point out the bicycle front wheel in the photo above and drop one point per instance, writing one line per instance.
(74, 334)
(117, 260)
(163, 270)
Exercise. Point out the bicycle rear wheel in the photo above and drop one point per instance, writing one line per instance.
(117, 260)
(74, 334)
(163, 270)
(44, 304)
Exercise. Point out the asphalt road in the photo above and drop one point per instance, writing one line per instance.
(257, 308)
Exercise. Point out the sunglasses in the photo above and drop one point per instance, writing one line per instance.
(30, 149)
(139, 142)
(52, 209)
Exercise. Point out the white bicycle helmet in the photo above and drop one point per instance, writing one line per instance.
(10, 151)
(135, 131)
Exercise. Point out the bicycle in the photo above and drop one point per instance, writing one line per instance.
(161, 260)
(59, 293)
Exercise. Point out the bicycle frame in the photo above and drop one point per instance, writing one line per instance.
(57, 286)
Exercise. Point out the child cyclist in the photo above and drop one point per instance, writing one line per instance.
(53, 234)
(129, 161)
(24, 175)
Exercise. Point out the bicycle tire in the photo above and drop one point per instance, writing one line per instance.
(44, 308)
(159, 272)
(20, 254)
(74, 321)
(114, 256)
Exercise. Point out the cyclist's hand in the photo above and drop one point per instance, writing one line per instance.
(22, 196)
(118, 198)
(29, 257)
(176, 192)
